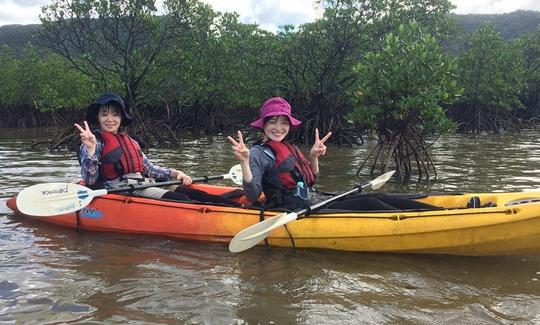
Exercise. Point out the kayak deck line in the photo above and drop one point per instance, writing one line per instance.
(495, 230)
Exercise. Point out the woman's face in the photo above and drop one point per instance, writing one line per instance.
(109, 118)
(277, 128)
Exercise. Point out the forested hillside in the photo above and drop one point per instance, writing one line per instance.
(510, 26)
(402, 71)
(16, 36)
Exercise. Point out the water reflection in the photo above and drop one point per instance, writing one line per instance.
(56, 275)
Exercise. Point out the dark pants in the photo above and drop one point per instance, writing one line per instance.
(378, 202)
(189, 194)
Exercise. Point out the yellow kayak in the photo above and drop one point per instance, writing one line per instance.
(503, 223)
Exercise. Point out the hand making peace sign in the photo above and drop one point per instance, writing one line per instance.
(87, 138)
(239, 148)
(319, 149)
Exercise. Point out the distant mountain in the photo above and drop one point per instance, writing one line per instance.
(510, 25)
(16, 36)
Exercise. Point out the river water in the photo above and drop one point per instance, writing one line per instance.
(51, 275)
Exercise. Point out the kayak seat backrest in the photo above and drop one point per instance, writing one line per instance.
(474, 202)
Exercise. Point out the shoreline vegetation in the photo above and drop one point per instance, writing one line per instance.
(400, 71)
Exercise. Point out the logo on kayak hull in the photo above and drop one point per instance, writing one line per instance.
(90, 213)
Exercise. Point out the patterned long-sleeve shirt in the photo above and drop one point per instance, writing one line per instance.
(90, 166)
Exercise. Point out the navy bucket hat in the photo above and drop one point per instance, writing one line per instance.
(108, 98)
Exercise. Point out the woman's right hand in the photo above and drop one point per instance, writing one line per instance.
(239, 148)
(87, 138)
(242, 153)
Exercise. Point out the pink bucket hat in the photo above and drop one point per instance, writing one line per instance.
(273, 107)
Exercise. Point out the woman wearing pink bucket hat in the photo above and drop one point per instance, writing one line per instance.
(274, 166)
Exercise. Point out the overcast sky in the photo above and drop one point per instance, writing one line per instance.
(267, 13)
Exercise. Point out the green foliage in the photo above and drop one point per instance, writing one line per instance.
(316, 64)
(400, 92)
(316, 60)
(491, 71)
(62, 86)
(364, 65)
(8, 68)
(531, 92)
(230, 70)
(405, 83)
(173, 73)
(217, 68)
(44, 83)
(193, 67)
(112, 42)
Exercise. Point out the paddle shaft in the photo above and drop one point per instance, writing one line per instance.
(250, 236)
(318, 206)
(375, 184)
(133, 187)
(50, 199)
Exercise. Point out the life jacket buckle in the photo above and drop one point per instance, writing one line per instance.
(301, 191)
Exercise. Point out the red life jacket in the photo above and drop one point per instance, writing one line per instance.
(290, 174)
(121, 155)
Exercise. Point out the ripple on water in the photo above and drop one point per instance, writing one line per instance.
(56, 275)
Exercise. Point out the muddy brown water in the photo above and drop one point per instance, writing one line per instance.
(52, 275)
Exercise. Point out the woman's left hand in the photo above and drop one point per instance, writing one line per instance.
(186, 180)
(319, 148)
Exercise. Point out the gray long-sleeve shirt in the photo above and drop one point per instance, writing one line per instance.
(260, 160)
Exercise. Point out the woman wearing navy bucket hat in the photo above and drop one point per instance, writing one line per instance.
(110, 158)
(274, 166)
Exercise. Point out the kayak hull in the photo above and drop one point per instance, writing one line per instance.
(507, 228)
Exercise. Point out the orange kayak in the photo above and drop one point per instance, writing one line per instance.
(510, 224)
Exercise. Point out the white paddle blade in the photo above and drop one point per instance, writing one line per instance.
(256, 233)
(49, 199)
(235, 174)
(378, 182)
